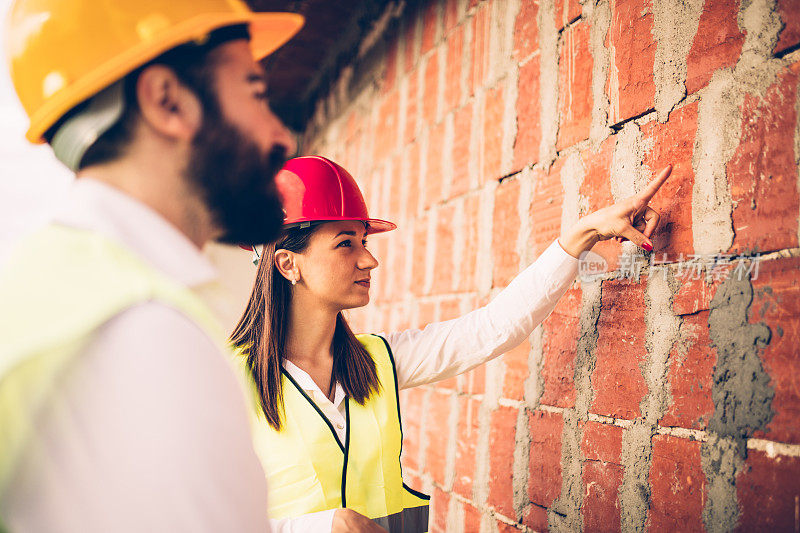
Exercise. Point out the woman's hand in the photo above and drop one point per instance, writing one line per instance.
(347, 520)
(630, 219)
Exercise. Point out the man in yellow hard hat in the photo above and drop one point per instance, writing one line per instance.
(118, 409)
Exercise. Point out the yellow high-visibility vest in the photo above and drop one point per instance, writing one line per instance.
(308, 469)
(58, 287)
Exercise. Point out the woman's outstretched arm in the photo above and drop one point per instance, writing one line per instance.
(445, 349)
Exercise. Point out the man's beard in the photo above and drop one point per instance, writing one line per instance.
(237, 182)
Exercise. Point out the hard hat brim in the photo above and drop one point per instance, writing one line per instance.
(268, 32)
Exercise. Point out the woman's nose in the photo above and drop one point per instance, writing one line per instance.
(367, 261)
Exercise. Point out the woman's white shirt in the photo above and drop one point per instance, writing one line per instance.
(445, 349)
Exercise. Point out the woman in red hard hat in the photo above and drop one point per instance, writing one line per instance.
(328, 431)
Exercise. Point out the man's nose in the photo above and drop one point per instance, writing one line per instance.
(283, 136)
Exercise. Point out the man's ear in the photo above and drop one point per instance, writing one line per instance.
(166, 105)
(286, 265)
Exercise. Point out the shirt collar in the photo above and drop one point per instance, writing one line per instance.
(96, 206)
(307, 384)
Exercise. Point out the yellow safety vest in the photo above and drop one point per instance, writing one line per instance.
(308, 469)
(58, 287)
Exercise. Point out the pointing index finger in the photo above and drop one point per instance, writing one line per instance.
(652, 188)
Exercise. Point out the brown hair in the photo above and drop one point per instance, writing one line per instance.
(261, 334)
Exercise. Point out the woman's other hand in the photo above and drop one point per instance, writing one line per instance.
(349, 521)
(630, 219)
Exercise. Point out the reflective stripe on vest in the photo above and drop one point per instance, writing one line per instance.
(309, 470)
(56, 289)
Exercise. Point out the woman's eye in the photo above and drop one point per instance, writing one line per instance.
(344, 244)
(364, 243)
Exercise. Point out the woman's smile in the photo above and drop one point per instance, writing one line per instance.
(363, 282)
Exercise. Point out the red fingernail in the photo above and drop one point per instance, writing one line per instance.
(648, 246)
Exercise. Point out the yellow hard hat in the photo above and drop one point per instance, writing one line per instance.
(62, 52)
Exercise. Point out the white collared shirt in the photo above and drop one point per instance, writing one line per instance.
(445, 349)
(148, 431)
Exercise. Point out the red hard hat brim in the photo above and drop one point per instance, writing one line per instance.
(374, 225)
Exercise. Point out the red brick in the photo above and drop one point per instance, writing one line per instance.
(602, 442)
(676, 478)
(438, 413)
(411, 21)
(455, 52)
(389, 80)
(434, 172)
(559, 344)
(600, 507)
(673, 143)
(501, 460)
(472, 519)
(776, 302)
(505, 230)
(412, 411)
(452, 14)
(536, 518)
(430, 92)
(717, 43)
(789, 11)
(492, 145)
(440, 503)
(431, 20)
(480, 47)
(474, 381)
(469, 261)
(544, 472)
(461, 144)
(420, 242)
(468, 424)
(443, 259)
(412, 179)
(617, 378)
(567, 11)
(412, 89)
(575, 86)
(694, 294)
(768, 491)
(516, 363)
(526, 30)
(529, 124)
(386, 127)
(548, 196)
(691, 375)
(631, 88)
(763, 173)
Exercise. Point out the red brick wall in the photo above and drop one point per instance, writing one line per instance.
(668, 401)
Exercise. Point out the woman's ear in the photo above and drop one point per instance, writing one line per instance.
(286, 265)
(168, 106)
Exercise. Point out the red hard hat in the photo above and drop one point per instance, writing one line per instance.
(316, 189)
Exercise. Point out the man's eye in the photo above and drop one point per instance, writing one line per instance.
(344, 244)
(364, 243)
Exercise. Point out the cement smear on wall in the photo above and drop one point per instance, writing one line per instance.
(719, 124)
(663, 331)
(742, 397)
(675, 24)
(548, 81)
(565, 513)
(599, 16)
